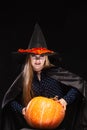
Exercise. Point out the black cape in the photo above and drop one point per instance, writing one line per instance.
(76, 114)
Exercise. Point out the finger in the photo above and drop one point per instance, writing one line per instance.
(23, 111)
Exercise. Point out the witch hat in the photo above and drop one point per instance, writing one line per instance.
(37, 44)
(37, 39)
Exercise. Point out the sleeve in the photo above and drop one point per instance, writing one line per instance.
(71, 95)
(16, 106)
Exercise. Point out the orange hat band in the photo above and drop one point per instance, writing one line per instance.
(38, 51)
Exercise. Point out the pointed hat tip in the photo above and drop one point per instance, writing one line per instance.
(37, 26)
(37, 38)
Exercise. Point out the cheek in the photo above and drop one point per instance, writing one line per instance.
(32, 62)
(43, 62)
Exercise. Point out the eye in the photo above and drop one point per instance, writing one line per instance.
(42, 55)
(33, 55)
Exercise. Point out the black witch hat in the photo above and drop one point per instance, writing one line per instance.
(37, 44)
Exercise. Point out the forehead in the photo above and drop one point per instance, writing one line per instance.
(35, 55)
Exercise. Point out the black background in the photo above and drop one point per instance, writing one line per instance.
(64, 26)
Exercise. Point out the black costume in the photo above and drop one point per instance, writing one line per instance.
(55, 81)
(64, 78)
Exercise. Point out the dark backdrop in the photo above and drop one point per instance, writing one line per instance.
(64, 26)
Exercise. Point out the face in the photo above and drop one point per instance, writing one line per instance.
(37, 62)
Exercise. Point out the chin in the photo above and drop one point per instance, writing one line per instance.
(38, 69)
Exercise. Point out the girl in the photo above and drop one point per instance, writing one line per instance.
(41, 78)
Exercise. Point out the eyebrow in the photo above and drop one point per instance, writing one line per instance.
(37, 55)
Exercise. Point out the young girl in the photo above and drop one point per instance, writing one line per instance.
(41, 78)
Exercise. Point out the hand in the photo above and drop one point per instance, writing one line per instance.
(63, 103)
(23, 111)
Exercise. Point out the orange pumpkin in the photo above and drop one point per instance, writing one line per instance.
(44, 113)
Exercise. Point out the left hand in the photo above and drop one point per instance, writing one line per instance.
(63, 103)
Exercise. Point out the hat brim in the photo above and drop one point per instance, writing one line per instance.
(37, 51)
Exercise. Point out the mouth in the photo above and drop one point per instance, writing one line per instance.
(37, 63)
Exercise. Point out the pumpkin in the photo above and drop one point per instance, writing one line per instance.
(44, 113)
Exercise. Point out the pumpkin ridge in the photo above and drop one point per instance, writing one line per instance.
(41, 120)
(29, 108)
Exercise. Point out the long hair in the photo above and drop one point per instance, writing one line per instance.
(28, 76)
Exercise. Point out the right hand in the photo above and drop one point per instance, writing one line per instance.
(23, 111)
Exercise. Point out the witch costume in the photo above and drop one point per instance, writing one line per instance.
(54, 81)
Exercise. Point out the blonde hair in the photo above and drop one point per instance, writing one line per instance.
(28, 76)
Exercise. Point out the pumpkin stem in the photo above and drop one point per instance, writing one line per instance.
(55, 98)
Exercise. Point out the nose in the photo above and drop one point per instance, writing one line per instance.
(37, 58)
